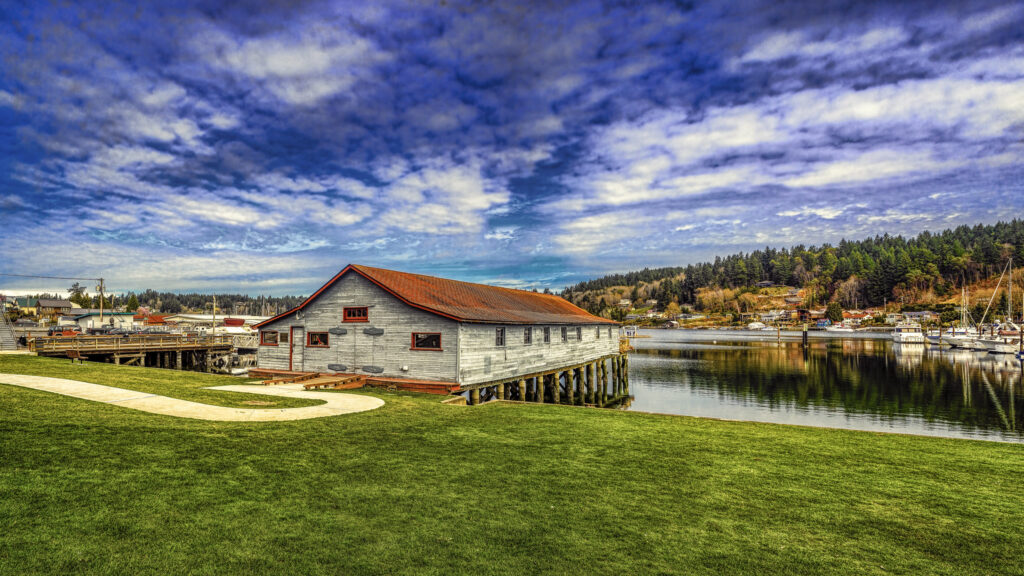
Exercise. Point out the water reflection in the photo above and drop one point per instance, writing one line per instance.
(864, 384)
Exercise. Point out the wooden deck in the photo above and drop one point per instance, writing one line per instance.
(350, 381)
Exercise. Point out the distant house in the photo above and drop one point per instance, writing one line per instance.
(652, 302)
(27, 305)
(924, 316)
(113, 319)
(625, 303)
(52, 307)
(765, 284)
(893, 318)
(855, 317)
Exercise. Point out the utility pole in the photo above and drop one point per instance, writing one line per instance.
(100, 290)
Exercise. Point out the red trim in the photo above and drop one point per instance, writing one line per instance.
(291, 345)
(412, 346)
(262, 332)
(345, 318)
(308, 339)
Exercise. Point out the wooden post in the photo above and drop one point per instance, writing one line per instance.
(555, 392)
(538, 386)
(500, 395)
(579, 386)
(522, 390)
(178, 362)
(804, 339)
(589, 398)
(474, 396)
(604, 381)
(626, 373)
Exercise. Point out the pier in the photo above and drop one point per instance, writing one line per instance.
(602, 383)
(180, 352)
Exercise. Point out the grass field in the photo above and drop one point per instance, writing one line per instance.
(417, 487)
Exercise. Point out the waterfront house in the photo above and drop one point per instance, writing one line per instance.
(893, 318)
(46, 307)
(386, 323)
(26, 305)
(924, 316)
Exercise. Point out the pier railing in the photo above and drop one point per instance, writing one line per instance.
(136, 343)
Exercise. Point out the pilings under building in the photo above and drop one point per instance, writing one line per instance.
(602, 383)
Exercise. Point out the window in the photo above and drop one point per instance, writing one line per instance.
(579, 333)
(426, 340)
(283, 337)
(547, 335)
(609, 332)
(527, 335)
(317, 340)
(598, 333)
(360, 314)
(499, 336)
(565, 334)
(268, 338)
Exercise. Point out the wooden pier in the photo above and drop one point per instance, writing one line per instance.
(602, 383)
(182, 352)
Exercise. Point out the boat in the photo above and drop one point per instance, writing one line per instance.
(756, 326)
(908, 333)
(841, 327)
(1001, 345)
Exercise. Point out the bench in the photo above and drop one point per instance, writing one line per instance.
(74, 355)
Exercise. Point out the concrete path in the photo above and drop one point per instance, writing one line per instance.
(334, 403)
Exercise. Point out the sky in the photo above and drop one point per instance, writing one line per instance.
(259, 147)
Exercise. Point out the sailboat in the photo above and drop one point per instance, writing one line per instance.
(961, 336)
(1005, 344)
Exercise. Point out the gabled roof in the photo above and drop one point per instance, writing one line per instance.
(465, 301)
(54, 303)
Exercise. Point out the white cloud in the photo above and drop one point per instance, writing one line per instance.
(502, 233)
(828, 213)
(300, 69)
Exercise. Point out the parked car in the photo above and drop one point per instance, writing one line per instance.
(71, 330)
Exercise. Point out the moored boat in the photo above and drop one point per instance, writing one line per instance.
(908, 333)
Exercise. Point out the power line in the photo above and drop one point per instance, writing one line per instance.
(48, 277)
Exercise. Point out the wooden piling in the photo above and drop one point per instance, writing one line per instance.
(555, 392)
(538, 385)
(500, 392)
(522, 390)
(474, 397)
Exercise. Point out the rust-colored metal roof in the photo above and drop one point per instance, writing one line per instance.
(465, 301)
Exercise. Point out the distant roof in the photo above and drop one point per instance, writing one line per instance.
(26, 302)
(465, 301)
(52, 303)
(80, 316)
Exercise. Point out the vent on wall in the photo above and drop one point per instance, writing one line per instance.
(338, 331)
(337, 367)
(373, 369)
(373, 331)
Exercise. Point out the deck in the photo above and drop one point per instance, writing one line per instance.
(129, 345)
(349, 380)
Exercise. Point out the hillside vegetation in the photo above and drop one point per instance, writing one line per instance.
(927, 269)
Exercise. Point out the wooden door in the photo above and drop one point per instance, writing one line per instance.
(297, 341)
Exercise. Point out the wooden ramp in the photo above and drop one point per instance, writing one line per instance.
(336, 382)
(318, 380)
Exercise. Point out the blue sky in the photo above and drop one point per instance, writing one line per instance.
(259, 147)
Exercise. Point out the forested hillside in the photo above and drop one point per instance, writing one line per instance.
(867, 272)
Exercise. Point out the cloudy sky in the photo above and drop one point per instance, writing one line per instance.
(261, 147)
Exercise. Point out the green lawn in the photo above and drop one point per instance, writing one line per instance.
(418, 487)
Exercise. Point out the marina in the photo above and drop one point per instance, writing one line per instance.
(862, 381)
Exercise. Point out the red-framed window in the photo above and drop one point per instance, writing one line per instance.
(426, 341)
(268, 337)
(356, 314)
(317, 340)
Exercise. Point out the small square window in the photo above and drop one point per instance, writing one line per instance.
(547, 335)
(357, 314)
(317, 340)
(283, 337)
(426, 340)
(528, 336)
(499, 336)
(579, 333)
(565, 334)
(268, 338)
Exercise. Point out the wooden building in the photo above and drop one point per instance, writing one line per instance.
(389, 324)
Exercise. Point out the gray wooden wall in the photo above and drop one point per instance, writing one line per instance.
(481, 361)
(390, 351)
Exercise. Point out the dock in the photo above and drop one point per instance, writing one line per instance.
(177, 351)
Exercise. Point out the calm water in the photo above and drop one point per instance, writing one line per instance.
(861, 382)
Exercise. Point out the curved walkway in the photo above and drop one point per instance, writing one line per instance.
(334, 403)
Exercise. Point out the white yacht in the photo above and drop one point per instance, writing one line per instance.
(756, 326)
(908, 333)
(840, 327)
